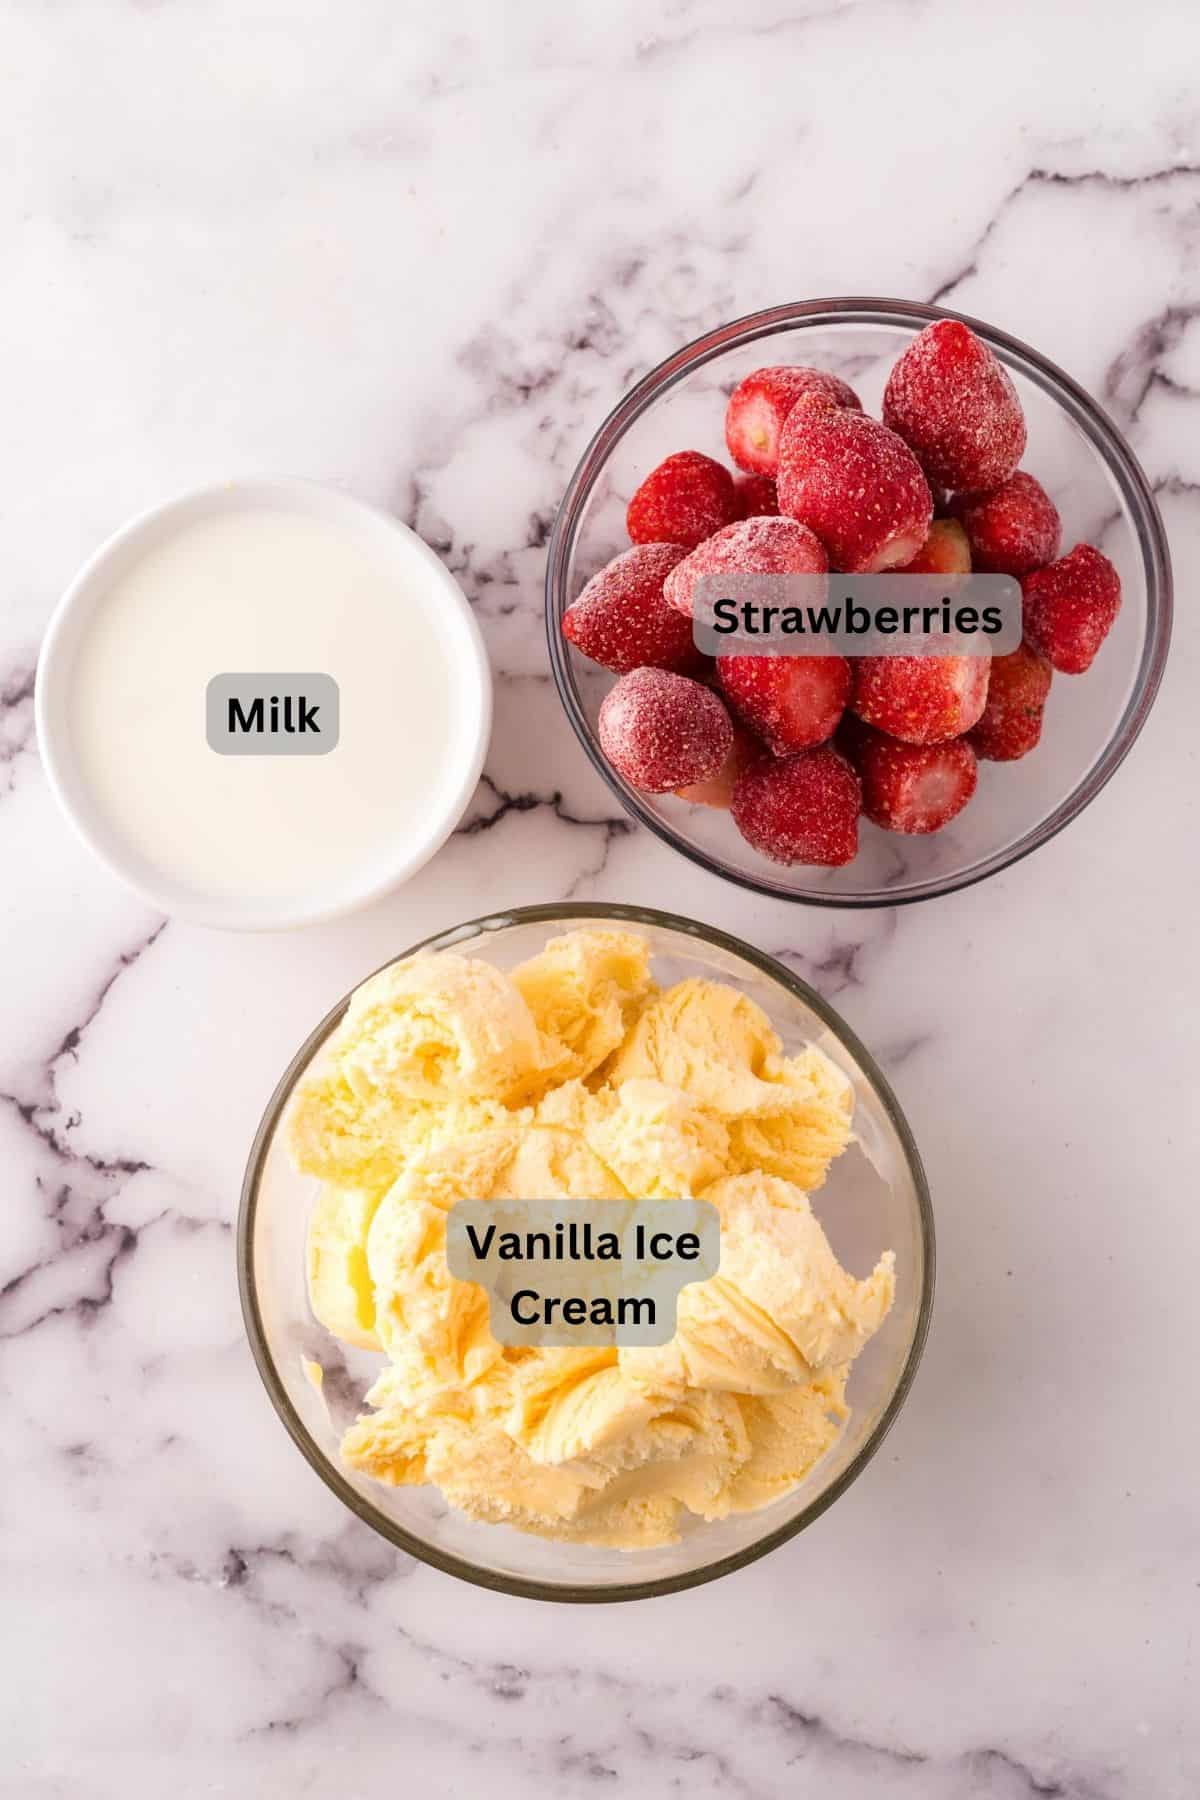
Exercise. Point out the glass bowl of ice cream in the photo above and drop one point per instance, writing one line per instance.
(1006, 798)
(595, 1053)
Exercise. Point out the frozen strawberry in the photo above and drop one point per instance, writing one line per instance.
(953, 401)
(683, 501)
(1013, 530)
(717, 790)
(792, 702)
(1069, 607)
(757, 497)
(621, 620)
(1011, 722)
(662, 731)
(855, 483)
(944, 552)
(920, 699)
(759, 405)
(750, 547)
(916, 788)
(800, 809)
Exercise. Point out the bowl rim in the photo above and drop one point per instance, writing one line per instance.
(85, 593)
(469, 931)
(1104, 436)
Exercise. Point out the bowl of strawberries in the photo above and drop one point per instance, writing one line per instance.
(860, 436)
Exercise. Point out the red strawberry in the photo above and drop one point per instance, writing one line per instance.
(751, 547)
(916, 788)
(792, 702)
(622, 621)
(1013, 530)
(800, 809)
(1069, 607)
(951, 399)
(759, 405)
(756, 497)
(683, 501)
(944, 552)
(920, 699)
(662, 731)
(717, 790)
(1011, 722)
(854, 483)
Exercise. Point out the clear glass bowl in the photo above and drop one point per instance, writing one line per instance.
(1074, 450)
(876, 1198)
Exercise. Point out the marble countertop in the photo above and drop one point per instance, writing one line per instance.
(418, 253)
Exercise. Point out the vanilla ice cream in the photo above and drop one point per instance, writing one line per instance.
(575, 1077)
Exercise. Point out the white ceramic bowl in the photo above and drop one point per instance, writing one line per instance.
(393, 545)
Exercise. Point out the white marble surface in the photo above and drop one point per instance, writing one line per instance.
(419, 252)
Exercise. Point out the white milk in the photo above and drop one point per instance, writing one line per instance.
(269, 588)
